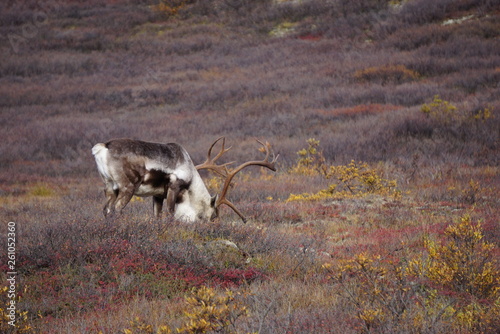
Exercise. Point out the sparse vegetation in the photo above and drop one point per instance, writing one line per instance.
(13, 320)
(452, 287)
(397, 74)
(393, 227)
(356, 179)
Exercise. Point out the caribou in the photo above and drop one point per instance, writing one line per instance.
(131, 167)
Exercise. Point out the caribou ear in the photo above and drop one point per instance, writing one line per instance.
(213, 201)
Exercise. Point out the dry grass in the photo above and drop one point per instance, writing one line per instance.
(357, 76)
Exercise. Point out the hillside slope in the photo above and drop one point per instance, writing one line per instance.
(381, 218)
(74, 74)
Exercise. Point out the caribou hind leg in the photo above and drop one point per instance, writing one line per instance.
(124, 196)
(111, 196)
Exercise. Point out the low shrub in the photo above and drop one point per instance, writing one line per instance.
(82, 265)
(442, 111)
(453, 286)
(412, 38)
(171, 7)
(395, 74)
(311, 160)
(464, 262)
(206, 310)
(210, 311)
(463, 270)
(12, 319)
(356, 179)
(445, 113)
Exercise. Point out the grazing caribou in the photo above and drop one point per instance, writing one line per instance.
(165, 171)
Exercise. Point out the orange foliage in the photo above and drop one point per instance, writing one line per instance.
(359, 110)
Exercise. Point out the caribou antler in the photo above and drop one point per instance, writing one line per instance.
(222, 170)
(210, 162)
(263, 163)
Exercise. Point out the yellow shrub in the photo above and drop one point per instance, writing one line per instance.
(454, 284)
(447, 114)
(138, 326)
(311, 160)
(356, 179)
(483, 114)
(363, 282)
(442, 111)
(206, 310)
(13, 320)
(42, 190)
(464, 265)
(210, 311)
(322, 194)
(170, 7)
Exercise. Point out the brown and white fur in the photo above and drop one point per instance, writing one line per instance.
(164, 171)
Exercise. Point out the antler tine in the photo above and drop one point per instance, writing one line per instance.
(222, 149)
(263, 163)
(232, 206)
(230, 175)
(267, 147)
(210, 162)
